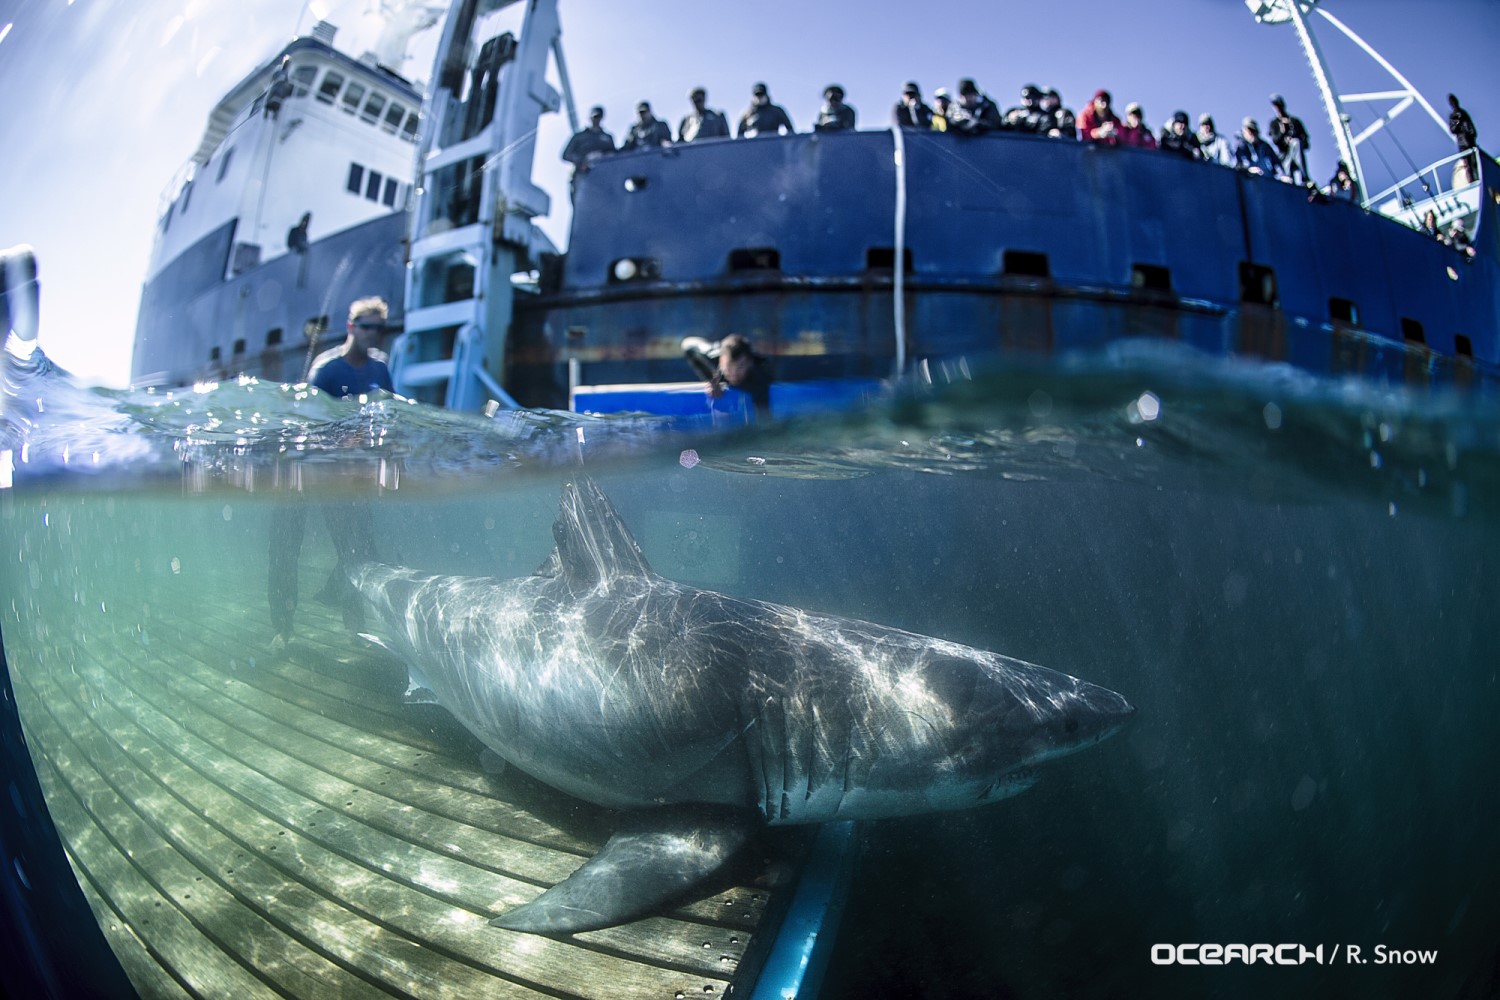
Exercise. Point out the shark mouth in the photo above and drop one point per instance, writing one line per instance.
(1012, 782)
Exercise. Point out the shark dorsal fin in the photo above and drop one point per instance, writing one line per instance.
(593, 544)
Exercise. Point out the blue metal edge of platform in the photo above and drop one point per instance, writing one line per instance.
(799, 956)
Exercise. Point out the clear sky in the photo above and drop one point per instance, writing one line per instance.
(104, 100)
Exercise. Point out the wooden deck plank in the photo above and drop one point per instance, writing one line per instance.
(156, 692)
(130, 872)
(248, 855)
(141, 967)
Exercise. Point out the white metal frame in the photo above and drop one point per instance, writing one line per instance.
(1335, 103)
(504, 235)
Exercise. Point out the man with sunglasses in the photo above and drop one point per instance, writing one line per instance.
(356, 368)
(349, 370)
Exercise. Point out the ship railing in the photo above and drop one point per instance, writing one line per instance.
(1440, 192)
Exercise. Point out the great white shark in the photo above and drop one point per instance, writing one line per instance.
(707, 716)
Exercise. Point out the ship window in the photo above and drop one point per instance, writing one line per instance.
(409, 130)
(884, 259)
(389, 196)
(755, 259)
(1151, 277)
(373, 107)
(393, 116)
(302, 78)
(1343, 311)
(356, 178)
(1411, 331)
(1462, 345)
(352, 97)
(372, 187)
(1257, 284)
(1026, 264)
(332, 82)
(214, 354)
(239, 347)
(273, 337)
(224, 164)
(187, 193)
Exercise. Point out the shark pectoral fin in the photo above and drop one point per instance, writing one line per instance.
(658, 856)
(418, 692)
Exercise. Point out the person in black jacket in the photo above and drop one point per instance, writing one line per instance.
(1289, 136)
(912, 111)
(587, 145)
(702, 122)
(1061, 122)
(648, 132)
(835, 116)
(975, 112)
(1462, 127)
(731, 363)
(763, 117)
(1028, 116)
(1177, 138)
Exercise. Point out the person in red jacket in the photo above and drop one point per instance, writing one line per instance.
(1135, 131)
(1098, 122)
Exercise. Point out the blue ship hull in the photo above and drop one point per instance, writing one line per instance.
(269, 320)
(1014, 244)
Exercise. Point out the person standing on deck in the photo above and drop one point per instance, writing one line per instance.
(1253, 154)
(975, 112)
(1463, 130)
(835, 115)
(1061, 122)
(1175, 138)
(1098, 122)
(355, 367)
(352, 369)
(942, 107)
(912, 111)
(1289, 136)
(702, 122)
(648, 132)
(1135, 131)
(763, 117)
(587, 145)
(1212, 146)
(1028, 116)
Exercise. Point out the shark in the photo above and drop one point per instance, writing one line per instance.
(702, 716)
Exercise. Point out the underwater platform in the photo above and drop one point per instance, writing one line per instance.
(252, 825)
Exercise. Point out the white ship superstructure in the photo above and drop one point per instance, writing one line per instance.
(312, 134)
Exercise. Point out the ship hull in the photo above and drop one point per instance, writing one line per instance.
(1013, 245)
(269, 320)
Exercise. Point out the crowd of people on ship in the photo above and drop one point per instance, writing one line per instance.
(1282, 155)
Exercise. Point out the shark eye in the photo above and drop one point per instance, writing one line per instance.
(1070, 725)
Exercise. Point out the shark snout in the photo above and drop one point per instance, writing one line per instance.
(1095, 713)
